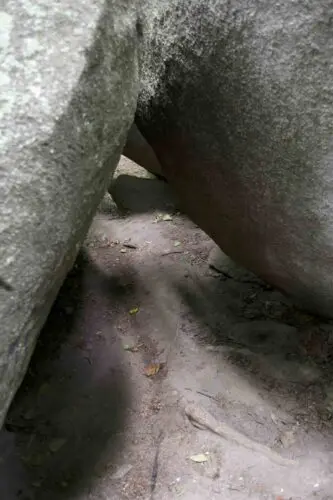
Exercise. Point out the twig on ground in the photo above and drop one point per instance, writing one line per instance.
(130, 245)
(154, 473)
(207, 395)
(171, 252)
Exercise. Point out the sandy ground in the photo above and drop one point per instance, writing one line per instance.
(158, 377)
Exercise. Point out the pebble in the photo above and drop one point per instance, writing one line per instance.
(122, 471)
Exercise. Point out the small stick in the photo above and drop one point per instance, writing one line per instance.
(154, 473)
(130, 245)
(207, 395)
(171, 252)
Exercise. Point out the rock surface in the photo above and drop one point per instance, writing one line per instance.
(138, 150)
(69, 83)
(237, 103)
(220, 262)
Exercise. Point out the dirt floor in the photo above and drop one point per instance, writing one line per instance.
(159, 377)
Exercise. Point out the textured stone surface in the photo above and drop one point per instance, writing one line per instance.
(237, 103)
(138, 150)
(69, 83)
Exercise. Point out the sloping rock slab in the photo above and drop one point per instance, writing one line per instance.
(69, 84)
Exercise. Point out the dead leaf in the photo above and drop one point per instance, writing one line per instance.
(200, 458)
(132, 348)
(134, 310)
(56, 444)
(152, 369)
(162, 217)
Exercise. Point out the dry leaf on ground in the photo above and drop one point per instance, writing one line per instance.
(200, 458)
(132, 348)
(152, 369)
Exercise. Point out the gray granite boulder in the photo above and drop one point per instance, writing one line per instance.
(237, 103)
(69, 82)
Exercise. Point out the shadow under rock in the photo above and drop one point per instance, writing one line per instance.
(65, 425)
(286, 353)
(140, 195)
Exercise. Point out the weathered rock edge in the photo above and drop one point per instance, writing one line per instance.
(69, 83)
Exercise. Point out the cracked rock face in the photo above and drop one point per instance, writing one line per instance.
(69, 83)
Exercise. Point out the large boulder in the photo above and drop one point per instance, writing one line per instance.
(69, 82)
(237, 103)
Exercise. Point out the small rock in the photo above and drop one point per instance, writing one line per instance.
(122, 471)
(288, 439)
